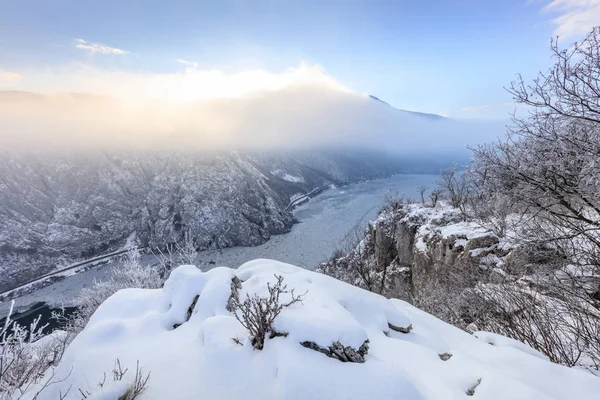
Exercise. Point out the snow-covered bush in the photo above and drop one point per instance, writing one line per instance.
(121, 387)
(552, 319)
(257, 314)
(457, 186)
(130, 274)
(26, 356)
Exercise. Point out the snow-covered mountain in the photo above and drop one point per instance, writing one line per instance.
(419, 114)
(60, 207)
(338, 342)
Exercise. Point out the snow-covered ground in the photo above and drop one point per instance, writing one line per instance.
(183, 336)
(324, 223)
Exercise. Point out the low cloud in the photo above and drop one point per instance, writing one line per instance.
(97, 48)
(191, 84)
(575, 17)
(8, 78)
(192, 64)
(299, 107)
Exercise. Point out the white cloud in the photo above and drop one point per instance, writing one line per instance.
(188, 85)
(192, 64)
(8, 78)
(575, 17)
(297, 107)
(97, 48)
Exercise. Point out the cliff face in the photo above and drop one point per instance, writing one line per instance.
(404, 247)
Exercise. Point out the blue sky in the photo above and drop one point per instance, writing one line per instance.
(447, 57)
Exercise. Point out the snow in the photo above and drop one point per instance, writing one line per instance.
(292, 178)
(469, 230)
(287, 177)
(443, 221)
(199, 359)
(498, 340)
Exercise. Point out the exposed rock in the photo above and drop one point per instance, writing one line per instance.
(471, 390)
(421, 268)
(341, 352)
(189, 313)
(405, 240)
(385, 251)
(405, 247)
(445, 356)
(236, 285)
(481, 242)
(400, 328)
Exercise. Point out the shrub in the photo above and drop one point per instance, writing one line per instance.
(257, 314)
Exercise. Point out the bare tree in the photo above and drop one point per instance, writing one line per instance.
(392, 201)
(456, 185)
(187, 249)
(548, 165)
(434, 196)
(422, 189)
(180, 252)
(552, 320)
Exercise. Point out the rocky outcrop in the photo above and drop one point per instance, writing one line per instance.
(234, 297)
(400, 329)
(385, 250)
(405, 241)
(341, 352)
(406, 245)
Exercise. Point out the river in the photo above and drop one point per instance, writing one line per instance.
(324, 224)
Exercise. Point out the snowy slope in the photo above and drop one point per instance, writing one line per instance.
(199, 359)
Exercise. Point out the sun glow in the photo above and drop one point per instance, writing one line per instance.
(191, 84)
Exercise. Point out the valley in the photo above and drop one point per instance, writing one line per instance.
(323, 225)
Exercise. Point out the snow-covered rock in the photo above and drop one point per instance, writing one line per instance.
(412, 242)
(199, 359)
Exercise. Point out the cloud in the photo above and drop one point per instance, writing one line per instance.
(298, 107)
(8, 78)
(192, 64)
(97, 48)
(189, 85)
(575, 17)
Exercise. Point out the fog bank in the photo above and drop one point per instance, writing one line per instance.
(299, 115)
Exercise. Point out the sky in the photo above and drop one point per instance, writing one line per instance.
(452, 58)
